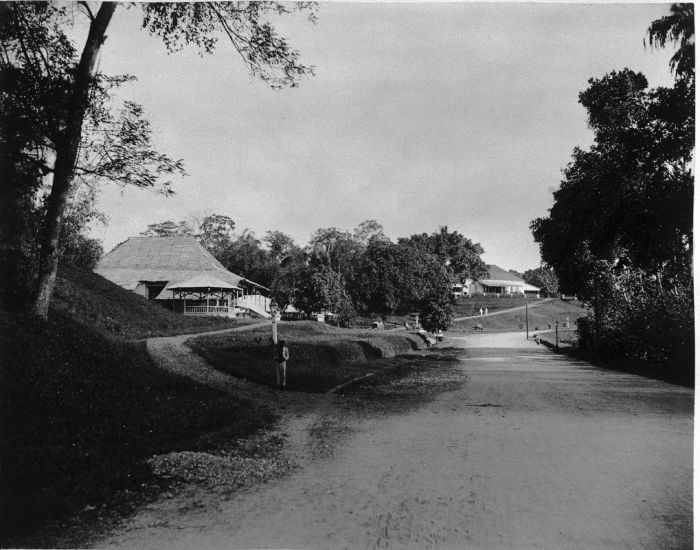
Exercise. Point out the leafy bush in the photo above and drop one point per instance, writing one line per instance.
(639, 320)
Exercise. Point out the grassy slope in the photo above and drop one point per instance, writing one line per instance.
(321, 356)
(90, 299)
(539, 316)
(466, 306)
(81, 409)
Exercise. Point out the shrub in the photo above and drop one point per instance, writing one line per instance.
(639, 320)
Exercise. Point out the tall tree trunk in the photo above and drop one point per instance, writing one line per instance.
(66, 154)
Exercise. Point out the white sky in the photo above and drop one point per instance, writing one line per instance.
(420, 115)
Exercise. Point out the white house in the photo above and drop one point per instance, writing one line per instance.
(498, 281)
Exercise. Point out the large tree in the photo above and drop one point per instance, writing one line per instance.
(34, 33)
(629, 197)
(395, 279)
(619, 233)
(461, 256)
(543, 278)
(248, 258)
(216, 234)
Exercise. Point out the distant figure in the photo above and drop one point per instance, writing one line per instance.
(281, 356)
(481, 311)
(486, 311)
(536, 337)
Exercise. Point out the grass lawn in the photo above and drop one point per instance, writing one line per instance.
(321, 356)
(541, 316)
(467, 306)
(80, 413)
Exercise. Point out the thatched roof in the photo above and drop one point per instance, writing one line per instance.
(163, 259)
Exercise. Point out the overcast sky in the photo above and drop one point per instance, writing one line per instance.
(420, 115)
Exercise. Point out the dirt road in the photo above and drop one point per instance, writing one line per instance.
(522, 449)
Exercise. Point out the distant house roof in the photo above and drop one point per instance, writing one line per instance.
(163, 259)
(498, 274)
(500, 277)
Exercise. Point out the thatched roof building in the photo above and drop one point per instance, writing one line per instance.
(147, 265)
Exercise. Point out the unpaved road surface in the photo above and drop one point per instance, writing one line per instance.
(520, 448)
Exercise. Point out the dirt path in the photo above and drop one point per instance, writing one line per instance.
(528, 450)
(172, 354)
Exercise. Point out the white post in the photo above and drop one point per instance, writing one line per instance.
(273, 312)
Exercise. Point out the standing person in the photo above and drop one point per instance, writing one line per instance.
(481, 311)
(486, 311)
(281, 356)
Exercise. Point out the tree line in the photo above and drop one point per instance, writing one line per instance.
(619, 234)
(350, 273)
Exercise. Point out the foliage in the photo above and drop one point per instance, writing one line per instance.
(619, 234)
(216, 233)
(168, 228)
(322, 289)
(246, 256)
(38, 68)
(544, 278)
(435, 310)
(287, 281)
(267, 55)
(675, 28)
(395, 279)
(335, 249)
(368, 230)
(630, 196)
(637, 319)
(460, 255)
(281, 246)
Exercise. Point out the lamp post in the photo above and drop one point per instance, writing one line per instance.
(527, 327)
(273, 312)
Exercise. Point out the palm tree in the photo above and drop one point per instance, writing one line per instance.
(675, 28)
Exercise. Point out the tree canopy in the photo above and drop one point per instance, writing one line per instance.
(630, 195)
(620, 232)
(461, 256)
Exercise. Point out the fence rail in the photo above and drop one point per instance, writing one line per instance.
(220, 311)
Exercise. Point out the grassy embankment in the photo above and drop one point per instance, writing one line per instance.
(82, 407)
(540, 316)
(321, 356)
(90, 299)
